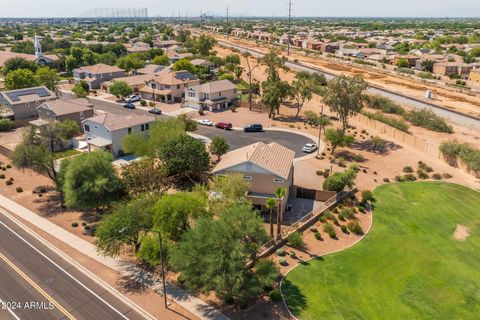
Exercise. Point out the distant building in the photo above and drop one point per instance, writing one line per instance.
(96, 74)
(39, 58)
(24, 102)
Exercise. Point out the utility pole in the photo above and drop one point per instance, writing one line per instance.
(289, 25)
(227, 14)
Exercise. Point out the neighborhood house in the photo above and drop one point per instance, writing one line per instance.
(59, 110)
(24, 102)
(96, 74)
(211, 96)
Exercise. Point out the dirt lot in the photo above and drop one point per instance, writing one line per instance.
(412, 87)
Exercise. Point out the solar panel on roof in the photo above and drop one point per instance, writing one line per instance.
(184, 75)
(15, 95)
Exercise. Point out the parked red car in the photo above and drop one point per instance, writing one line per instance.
(224, 125)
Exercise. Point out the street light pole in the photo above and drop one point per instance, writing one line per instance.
(163, 268)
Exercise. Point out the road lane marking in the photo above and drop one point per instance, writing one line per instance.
(64, 271)
(11, 311)
(37, 287)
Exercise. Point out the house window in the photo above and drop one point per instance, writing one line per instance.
(219, 94)
(178, 86)
(129, 130)
(142, 127)
(277, 180)
(247, 178)
(87, 128)
(147, 126)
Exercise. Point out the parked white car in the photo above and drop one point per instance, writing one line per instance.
(309, 148)
(206, 122)
(133, 98)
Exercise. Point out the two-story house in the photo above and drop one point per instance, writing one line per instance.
(266, 166)
(106, 131)
(168, 87)
(59, 110)
(212, 96)
(96, 74)
(24, 102)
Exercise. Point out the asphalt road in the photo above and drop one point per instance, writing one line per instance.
(235, 138)
(455, 116)
(38, 284)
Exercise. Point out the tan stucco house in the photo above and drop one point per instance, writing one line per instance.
(266, 166)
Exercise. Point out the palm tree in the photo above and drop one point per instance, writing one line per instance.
(280, 194)
(270, 204)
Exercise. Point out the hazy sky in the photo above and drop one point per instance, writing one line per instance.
(391, 8)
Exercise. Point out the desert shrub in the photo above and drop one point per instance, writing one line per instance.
(74, 224)
(409, 177)
(9, 166)
(339, 180)
(341, 217)
(2, 176)
(319, 173)
(5, 125)
(328, 228)
(151, 104)
(446, 176)
(143, 103)
(361, 209)
(86, 228)
(275, 295)
(280, 252)
(436, 176)
(367, 195)
(329, 215)
(19, 189)
(313, 229)
(318, 236)
(386, 180)
(283, 261)
(407, 169)
(429, 120)
(322, 219)
(385, 105)
(354, 226)
(296, 240)
(399, 179)
(292, 254)
(397, 124)
(348, 212)
(422, 174)
(84, 223)
(9, 182)
(344, 228)
(422, 165)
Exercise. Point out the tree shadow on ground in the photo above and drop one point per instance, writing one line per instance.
(293, 296)
(350, 156)
(370, 147)
(138, 278)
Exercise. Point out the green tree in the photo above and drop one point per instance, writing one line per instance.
(79, 91)
(184, 64)
(402, 63)
(339, 180)
(123, 225)
(226, 191)
(91, 181)
(131, 62)
(427, 65)
(13, 64)
(185, 157)
(76, 53)
(70, 64)
(107, 58)
(219, 146)
(273, 95)
(302, 90)
(144, 176)
(160, 133)
(161, 60)
(337, 138)
(280, 195)
(344, 96)
(203, 44)
(377, 142)
(120, 89)
(274, 62)
(190, 124)
(68, 128)
(270, 204)
(214, 254)
(23, 47)
(88, 57)
(47, 77)
(19, 79)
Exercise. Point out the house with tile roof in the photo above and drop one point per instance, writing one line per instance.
(106, 131)
(266, 166)
(96, 74)
(168, 87)
(212, 96)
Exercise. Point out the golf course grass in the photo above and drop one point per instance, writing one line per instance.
(410, 265)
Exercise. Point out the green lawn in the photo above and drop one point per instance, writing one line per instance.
(65, 153)
(409, 266)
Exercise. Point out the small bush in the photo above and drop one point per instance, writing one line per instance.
(399, 179)
(422, 165)
(318, 236)
(329, 215)
(409, 177)
(354, 226)
(367, 195)
(5, 125)
(283, 261)
(280, 252)
(322, 219)
(407, 169)
(344, 228)
(319, 173)
(292, 254)
(84, 223)
(362, 209)
(436, 176)
(313, 229)
(19, 189)
(328, 228)
(2, 176)
(296, 240)
(87, 227)
(143, 103)
(275, 295)
(428, 120)
(74, 224)
(422, 174)
(348, 213)
(181, 279)
(446, 176)
(229, 299)
(341, 217)
(397, 124)
(9, 166)
(11, 179)
(386, 180)
(9, 182)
